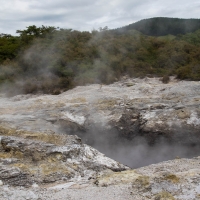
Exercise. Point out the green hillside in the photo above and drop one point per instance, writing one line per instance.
(160, 26)
(52, 60)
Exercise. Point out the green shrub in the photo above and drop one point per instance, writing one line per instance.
(165, 79)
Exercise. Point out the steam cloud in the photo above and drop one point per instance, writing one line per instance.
(136, 152)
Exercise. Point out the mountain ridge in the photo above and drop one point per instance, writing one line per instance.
(160, 26)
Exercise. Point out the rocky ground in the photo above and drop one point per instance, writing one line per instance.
(134, 121)
(176, 179)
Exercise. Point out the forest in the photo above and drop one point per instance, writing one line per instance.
(51, 60)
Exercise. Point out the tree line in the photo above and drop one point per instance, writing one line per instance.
(51, 60)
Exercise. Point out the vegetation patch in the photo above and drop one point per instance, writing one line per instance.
(52, 138)
(142, 183)
(78, 100)
(172, 178)
(52, 60)
(164, 196)
(112, 178)
(106, 103)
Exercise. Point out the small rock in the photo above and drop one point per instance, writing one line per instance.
(35, 185)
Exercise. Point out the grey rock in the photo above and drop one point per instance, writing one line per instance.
(36, 145)
(41, 162)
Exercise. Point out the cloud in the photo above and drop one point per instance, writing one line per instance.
(88, 14)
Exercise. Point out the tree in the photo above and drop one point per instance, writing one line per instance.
(33, 32)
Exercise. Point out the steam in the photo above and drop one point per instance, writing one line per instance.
(134, 152)
(41, 66)
(138, 151)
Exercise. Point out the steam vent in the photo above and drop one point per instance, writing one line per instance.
(133, 139)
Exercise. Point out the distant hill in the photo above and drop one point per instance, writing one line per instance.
(160, 26)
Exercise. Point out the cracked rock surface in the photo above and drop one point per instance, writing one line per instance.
(28, 161)
(130, 107)
(42, 155)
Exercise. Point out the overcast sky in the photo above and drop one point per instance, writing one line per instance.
(89, 14)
